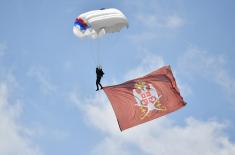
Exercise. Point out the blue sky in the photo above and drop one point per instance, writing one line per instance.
(48, 102)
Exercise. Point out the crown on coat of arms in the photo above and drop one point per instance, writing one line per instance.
(139, 85)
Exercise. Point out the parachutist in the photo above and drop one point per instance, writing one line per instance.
(99, 75)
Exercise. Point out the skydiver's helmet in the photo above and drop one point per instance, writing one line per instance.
(99, 67)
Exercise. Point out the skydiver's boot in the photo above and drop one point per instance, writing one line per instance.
(101, 87)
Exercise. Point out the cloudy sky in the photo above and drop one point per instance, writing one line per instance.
(48, 102)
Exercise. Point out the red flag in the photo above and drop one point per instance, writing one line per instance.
(143, 99)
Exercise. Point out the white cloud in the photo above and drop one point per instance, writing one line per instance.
(155, 27)
(95, 109)
(155, 16)
(40, 74)
(160, 136)
(185, 88)
(174, 21)
(153, 21)
(149, 62)
(110, 145)
(200, 63)
(142, 37)
(149, 21)
(14, 139)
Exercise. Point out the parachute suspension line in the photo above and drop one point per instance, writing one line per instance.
(98, 52)
(92, 50)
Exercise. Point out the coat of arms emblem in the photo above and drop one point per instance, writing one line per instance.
(147, 98)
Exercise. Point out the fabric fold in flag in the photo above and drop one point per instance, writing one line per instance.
(146, 98)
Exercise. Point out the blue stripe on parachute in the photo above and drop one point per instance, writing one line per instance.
(82, 27)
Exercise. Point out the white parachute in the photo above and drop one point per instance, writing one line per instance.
(99, 22)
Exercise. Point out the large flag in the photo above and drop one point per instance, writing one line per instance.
(143, 99)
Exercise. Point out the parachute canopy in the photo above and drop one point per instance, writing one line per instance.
(99, 22)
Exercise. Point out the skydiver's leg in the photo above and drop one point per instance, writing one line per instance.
(97, 85)
(101, 86)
